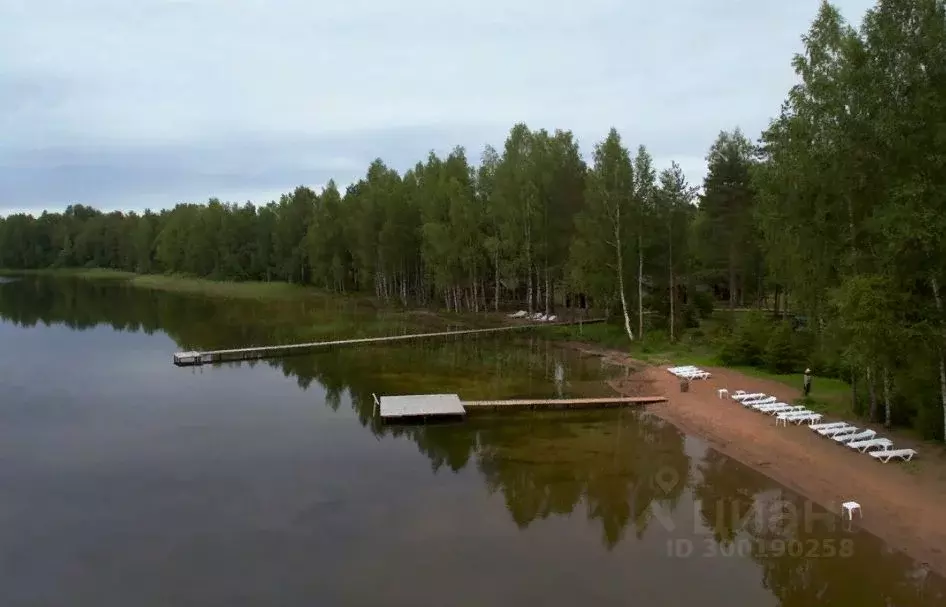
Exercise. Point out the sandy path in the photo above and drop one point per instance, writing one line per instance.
(902, 504)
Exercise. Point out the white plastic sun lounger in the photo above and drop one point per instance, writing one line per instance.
(760, 401)
(778, 408)
(794, 409)
(830, 425)
(836, 431)
(866, 445)
(764, 406)
(757, 400)
(683, 368)
(693, 375)
(774, 408)
(744, 397)
(783, 409)
(840, 431)
(793, 414)
(885, 455)
(810, 418)
(826, 429)
(857, 436)
(796, 417)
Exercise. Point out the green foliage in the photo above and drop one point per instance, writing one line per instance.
(781, 352)
(726, 233)
(748, 341)
(849, 184)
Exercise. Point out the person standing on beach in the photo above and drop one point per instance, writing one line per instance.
(807, 384)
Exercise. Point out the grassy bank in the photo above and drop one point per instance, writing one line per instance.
(185, 284)
(288, 313)
(223, 289)
(90, 273)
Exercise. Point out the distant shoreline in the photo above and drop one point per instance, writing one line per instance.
(185, 284)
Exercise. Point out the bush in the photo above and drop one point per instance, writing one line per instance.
(782, 354)
(748, 341)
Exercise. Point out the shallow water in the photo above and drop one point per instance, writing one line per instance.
(127, 481)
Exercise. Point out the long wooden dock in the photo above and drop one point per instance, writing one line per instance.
(188, 359)
(560, 403)
(440, 406)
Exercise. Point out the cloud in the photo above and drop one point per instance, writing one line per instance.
(112, 103)
(259, 166)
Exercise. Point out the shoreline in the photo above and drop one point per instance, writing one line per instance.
(175, 283)
(901, 502)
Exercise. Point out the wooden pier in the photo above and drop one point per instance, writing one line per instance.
(438, 406)
(560, 403)
(189, 359)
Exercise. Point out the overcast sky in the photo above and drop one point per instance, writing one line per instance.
(127, 104)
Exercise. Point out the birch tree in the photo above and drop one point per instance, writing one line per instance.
(606, 218)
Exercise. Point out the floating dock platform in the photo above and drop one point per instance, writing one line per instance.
(420, 406)
(430, 406)
(193, 358)
(186, 359)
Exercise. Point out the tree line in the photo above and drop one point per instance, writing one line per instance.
(520, 227)
(835, 214)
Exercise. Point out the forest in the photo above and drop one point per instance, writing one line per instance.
(831, 220)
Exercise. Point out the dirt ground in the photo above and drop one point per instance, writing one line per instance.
(901, 503)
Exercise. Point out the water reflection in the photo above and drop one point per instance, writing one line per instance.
(603, 461)
(636, 480)
(807, 556)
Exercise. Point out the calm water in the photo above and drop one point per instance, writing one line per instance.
(126, 481)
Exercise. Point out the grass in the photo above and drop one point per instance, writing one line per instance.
(605, 335)
(178, 283)
(828, 395)
(223, 289)
(90, 273)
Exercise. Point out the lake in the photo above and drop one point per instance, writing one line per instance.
(127, 481)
